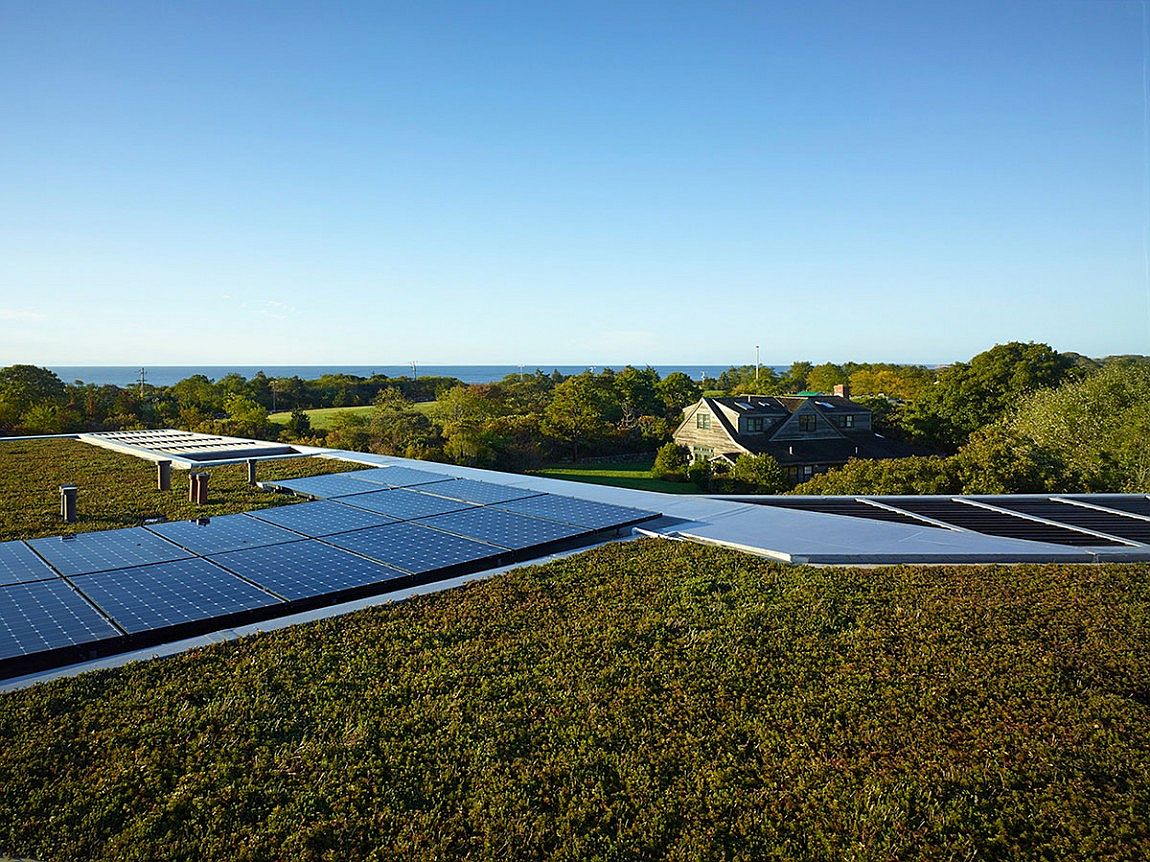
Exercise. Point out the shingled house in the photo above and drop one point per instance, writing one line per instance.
(806, 433)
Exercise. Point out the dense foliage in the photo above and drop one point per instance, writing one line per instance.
(119, 490)
(1087, 435)
(641, 701)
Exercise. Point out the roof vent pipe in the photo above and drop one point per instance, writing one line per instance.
(68, 503)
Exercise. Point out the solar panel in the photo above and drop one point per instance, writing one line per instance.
(506, 529)
(413, 548)
(483, 493)
(401, 477)
(323, 517)
(112, 549)
(47, 615)
(1133, 505)
(306, 569)
(323, 487)
(166, 594)
(19, 564)
(840, 506)
(582, 513)
(406, 505)
(1091, 519)
(995, 523)
(222, 534)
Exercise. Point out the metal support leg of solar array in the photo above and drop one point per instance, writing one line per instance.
(392, 525)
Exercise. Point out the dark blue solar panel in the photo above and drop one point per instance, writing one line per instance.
(401, 477)
(333, 485)
(582, 513)
(18, 564)
(482, 493)
(113, 549)
(47, 615)
(323, 517)
(413, 548)
(506, 529)
(167, 594)
(223, 534)
(406, 505)
(305, 569)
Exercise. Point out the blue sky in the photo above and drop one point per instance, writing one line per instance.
(482, 182)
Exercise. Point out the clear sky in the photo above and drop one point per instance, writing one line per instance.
(569, 182)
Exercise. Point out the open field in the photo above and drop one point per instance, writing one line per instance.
(323, 417)
(635, 475)
(118, 490)
(646, 700)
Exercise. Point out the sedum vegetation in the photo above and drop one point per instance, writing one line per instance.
(118, 490)
(648, 700)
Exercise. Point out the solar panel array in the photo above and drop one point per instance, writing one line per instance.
(1101, 521)
(67, 598)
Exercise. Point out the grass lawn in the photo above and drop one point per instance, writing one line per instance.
(323, 417)
(631, 475)
(118, 490)
(646, 700)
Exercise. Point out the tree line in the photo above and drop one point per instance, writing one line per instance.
(1019, 417)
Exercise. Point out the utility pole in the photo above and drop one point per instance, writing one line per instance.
(756, 365)
(143, 377)
(414, 373)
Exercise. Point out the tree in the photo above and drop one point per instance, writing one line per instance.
(580, 413)
(755, 474)
(299, 425)
(825, 377)
(1087, 435)
(918, 475)
(246, 418)
(677, 391)
(671, 463)
(23, 387)
(967, 396)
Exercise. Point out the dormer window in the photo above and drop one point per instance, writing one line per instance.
(849, 421)
(703, 420)
(755, 424)
(807, 422)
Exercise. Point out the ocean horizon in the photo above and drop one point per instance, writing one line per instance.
(166, 375)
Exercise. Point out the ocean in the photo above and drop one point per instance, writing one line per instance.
(166, 375)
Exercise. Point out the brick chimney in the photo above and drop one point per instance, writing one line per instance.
(843, 390)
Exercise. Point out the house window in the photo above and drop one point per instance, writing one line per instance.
(792, 472)
(849, 421)
(808, 471)
(701, 453)
(807, 422)
(703, 420)
(755, 424)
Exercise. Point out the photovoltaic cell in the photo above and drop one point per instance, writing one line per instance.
(18, 564)
(482, 493)
(167, 594)
(401, 477)
(222, 534)
(323, 517)
(47, 615)
(306, 569)
(406, 505)
(332, 485)
(414, 549)
(583, 513)
(506, 529)
(113, 549)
